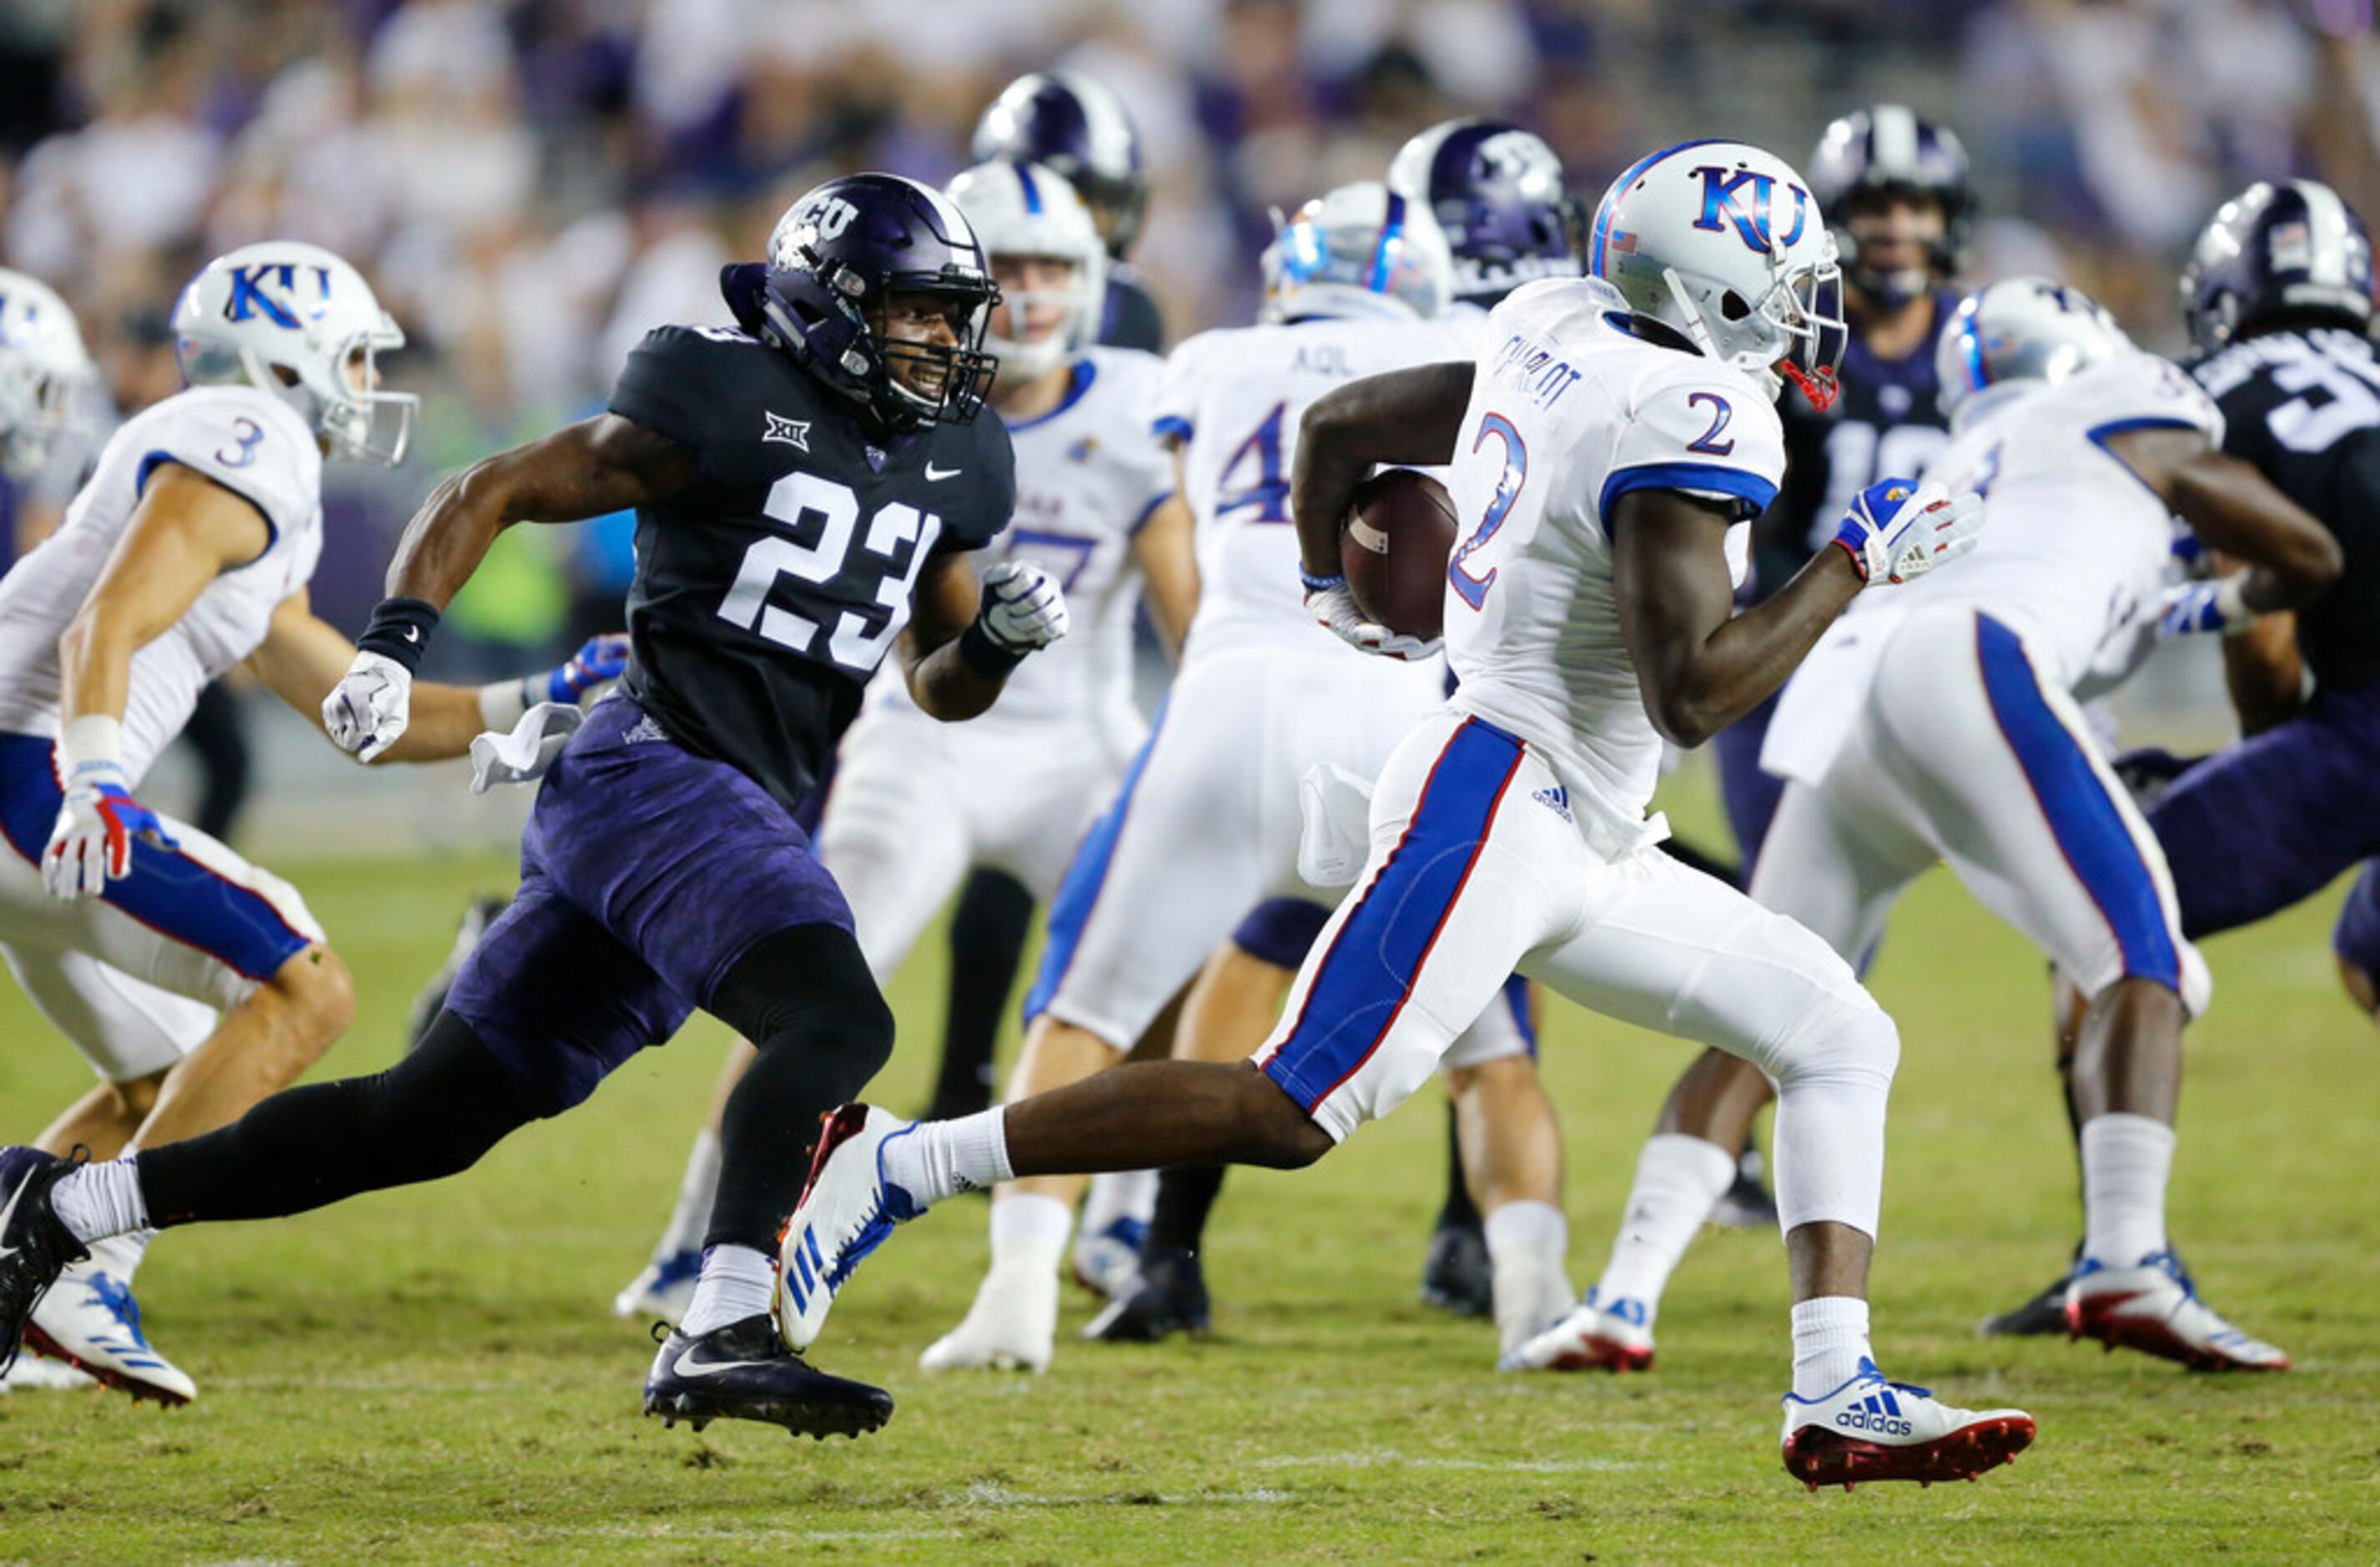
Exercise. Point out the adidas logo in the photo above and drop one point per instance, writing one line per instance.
(1879, 1412)
(1555, 800)
(808, 1269)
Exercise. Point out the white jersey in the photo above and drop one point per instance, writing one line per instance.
(2074, 553)
(1235, 395)
(1570, 410)
(252, 444)
(1088, 474)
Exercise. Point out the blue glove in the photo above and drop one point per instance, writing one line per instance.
(1896, 530)
(603, 657)
(2220, 605)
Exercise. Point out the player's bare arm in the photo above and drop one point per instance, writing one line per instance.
(1164, 550)
(942, 682)
(2291, 558)
(2264, 672)
(1406, 415)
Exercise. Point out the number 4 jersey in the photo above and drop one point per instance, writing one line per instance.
(768, 592)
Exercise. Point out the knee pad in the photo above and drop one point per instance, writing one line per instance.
(1843, 1043)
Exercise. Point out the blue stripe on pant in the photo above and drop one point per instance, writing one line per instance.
(1369, 970)
(1078, 894)
(2088, 826)
(1281, 931)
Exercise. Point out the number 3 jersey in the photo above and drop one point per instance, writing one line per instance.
(1571, 410)
(768, 591)
(250, 443)
(2304, 407)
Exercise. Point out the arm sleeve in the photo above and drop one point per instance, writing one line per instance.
(255, 447)
(1708, 435)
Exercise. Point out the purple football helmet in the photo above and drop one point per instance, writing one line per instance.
(1497, 192)
(2278, 255)
(1066, 122)
(836, 254)
(1885, 151)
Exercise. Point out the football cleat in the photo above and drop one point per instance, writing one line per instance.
(846, 1209)
(90, 1321)
(663, 1290)
(478, 914)
(1747, 1204)
(745, 1372)
(1170, 1298)
(34, 1246)
(1108, 1263)
(2043, 1314)
(1012, 1326)
(2154, 1308)
(39, 1373)
(1455, 1274)
(1873, 1429)
(1617, 1337)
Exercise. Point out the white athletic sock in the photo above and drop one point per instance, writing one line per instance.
(939, 1158)
(736, 1283)
(1030, 1231)
(691, 1220)
(2126, 1162)
(1528, 1246)
(121, 1255)
(1678, 1180)
(100, 1200)
(1829, 1340)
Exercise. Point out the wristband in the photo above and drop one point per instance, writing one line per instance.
(2232, 604)
(92, 741)
(986, 657)
(1320, 584)
(400, 631)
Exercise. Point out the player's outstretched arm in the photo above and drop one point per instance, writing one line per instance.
(2289, 558)
(963, 641)
(1410, 416)
(1166, 552)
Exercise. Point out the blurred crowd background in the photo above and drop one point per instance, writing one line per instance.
(532, 184)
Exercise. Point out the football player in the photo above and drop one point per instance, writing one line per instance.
(194, 982)
(2278, 295)
(1949, 726)
(1612, 438)
(806, 495)
(908, 813)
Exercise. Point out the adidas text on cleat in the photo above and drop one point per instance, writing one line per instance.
(1170, 1298)
(34, 1246)
(2154, 1308)
(745, 1372)
(848, 1208)
(1617, 1337)
(662, 1291)
(90, 1321)
(1873, 1429)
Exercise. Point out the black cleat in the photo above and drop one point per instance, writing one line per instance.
(1456, 1276)
(1169, 1299)
(431, 999)
(2041, 1315)
(35, 1247)
(1748, 1204)
(745, 1372)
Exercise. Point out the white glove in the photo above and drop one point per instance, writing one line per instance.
(1897, 529)
(2220, 605)
(1333, 603)
(368, 709)
(1023, 608)
(92, 841)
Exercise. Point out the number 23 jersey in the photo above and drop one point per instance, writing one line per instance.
(768, 591)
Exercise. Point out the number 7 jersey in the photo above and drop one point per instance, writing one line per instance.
(1571, 410)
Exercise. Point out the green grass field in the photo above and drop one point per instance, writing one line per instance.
(433, 1374)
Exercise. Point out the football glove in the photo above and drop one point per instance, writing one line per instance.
(1023, 608)
(1330, 601)
(1897, 531)
(2218, 605)
(368, 709)
(93, 841)
(602, 658)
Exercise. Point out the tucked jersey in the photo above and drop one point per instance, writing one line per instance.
(768, 592)
(2304, 407)
(1234, 397)
(1088, 474)
(250, 443)
(1885, 424)
(1571, 410)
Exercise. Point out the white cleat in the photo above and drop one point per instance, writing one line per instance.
(846, 1209)
(2154, 1308)
(1874, 1429)
(1594, 1336)
(39, 1373)
(662, 1291)
(1532, 1297)
(1108, 1263)
(89, 1320)
(1012, 1327)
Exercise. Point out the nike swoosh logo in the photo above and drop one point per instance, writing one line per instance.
(9, 1213)
(681, 1367)
(933, 472)
(413, 634)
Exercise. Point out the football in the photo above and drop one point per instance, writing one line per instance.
(1393, 550)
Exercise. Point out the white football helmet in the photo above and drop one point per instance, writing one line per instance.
(2023, 329)
(44, 372)
(1725, 243)
(296, 321)
(1361, 250)
(1027, 210)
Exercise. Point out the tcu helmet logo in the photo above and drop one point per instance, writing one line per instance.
(830, 215)
(1748, 200)
(250, 297)
(1511, 155)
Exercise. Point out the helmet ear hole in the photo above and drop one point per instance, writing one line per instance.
(1732, 306)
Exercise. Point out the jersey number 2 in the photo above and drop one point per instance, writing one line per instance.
(1473, 589)
(854, 646)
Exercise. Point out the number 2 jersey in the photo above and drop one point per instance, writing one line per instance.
(768, 591)
(250, 443)
(2304, 407)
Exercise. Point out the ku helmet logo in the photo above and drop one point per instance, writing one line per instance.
(1748, 200)
(250, 297)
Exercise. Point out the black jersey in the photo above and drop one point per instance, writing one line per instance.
(768, 593)
(2304, 407)
(1883, 425)
(1130, 317)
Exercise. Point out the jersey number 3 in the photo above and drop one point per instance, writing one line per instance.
(856, 646)
(1473, 589)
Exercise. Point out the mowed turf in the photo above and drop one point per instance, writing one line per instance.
(434, 1375)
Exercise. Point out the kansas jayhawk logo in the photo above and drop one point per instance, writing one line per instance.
(1750, 201)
